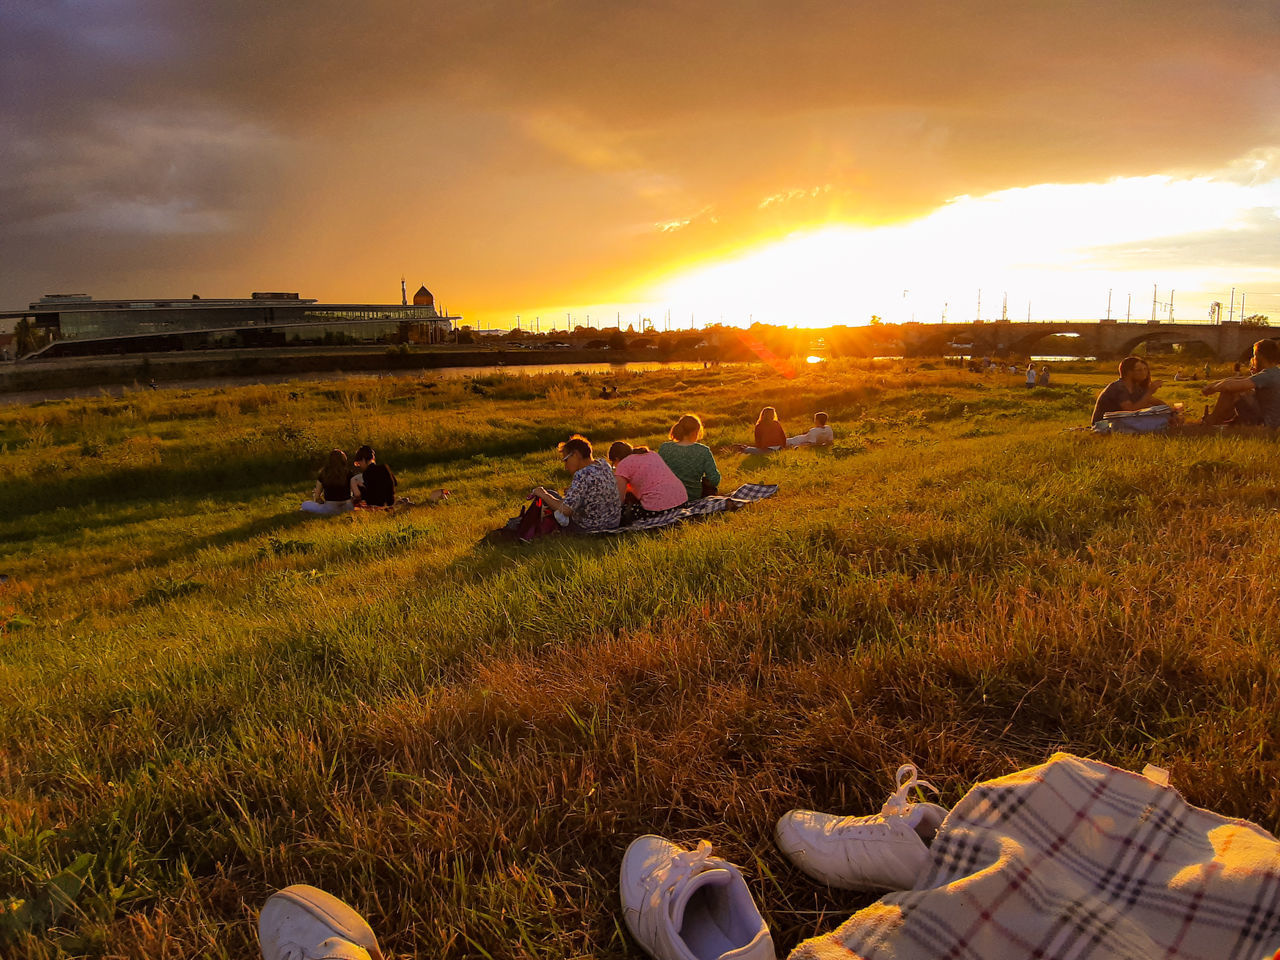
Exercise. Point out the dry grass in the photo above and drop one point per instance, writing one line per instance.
(211, 696)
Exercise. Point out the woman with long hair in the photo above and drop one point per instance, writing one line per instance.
(770, 437)
(332, 492)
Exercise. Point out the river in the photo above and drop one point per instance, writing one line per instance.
(27, 397)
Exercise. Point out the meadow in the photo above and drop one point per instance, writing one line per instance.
(209, 696)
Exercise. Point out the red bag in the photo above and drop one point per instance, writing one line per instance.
(536, 520)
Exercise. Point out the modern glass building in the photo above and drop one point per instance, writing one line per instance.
(78, 325)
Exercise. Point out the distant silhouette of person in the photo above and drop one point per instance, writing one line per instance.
(1031, 374)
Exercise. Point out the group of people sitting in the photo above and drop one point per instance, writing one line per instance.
(634, 482)
(1251, 400)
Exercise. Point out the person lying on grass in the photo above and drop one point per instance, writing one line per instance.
(819, 435)
(645, 482)
(332, 493)
(592, 501)
(1253, 400)
(1135, 390)
(690, 459)
(770, 437)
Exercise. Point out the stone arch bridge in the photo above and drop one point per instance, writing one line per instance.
(1099, 338)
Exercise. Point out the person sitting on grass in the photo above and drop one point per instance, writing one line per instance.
(689, 459)
(375, 484)
(1135, 390)
(1253, 400)
(645, 482)
(592, 501)
(770, 437)
(819, 435)
(332, 493)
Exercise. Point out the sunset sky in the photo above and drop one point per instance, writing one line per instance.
(798, 163)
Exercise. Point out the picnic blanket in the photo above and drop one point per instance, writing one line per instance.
(1077, 859)
(745, 494)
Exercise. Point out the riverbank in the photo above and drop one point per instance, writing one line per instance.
(283, 362)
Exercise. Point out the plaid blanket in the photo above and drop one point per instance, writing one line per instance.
(745, 494)
(1077, 859)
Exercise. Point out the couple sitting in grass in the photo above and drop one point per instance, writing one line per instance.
(339, 489)
(639, 483)
(1252, 400)
(371, 485)
(771, 437)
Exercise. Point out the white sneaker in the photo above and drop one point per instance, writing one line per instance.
(885, 851)
(688, 905)
(305, 923)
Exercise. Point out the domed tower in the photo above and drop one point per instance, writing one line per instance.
(423, 297)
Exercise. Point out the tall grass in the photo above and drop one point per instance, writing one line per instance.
(211, 696)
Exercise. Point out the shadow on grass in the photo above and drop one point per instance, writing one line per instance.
(219, 473)
(189, 548)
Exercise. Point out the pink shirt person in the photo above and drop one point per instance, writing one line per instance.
(651, 480)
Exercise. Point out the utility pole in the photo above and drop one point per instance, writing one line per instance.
(1154, 288)
(1128, 310)
(1242, 313)
(979, 304)
(517, 321)
(1108, 305)
(1004, 307)
(1171, 293)
(1232, 314)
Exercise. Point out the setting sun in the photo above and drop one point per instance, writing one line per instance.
(1054, 250)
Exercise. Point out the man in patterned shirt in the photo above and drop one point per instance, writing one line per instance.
(592, 501)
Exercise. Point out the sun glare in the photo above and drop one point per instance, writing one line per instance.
(1051, 251)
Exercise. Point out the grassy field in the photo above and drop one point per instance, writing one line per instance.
(209, 696)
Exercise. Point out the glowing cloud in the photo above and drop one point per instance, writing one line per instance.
(1058, 247)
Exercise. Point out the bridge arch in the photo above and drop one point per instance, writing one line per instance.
(1130, 344)
(1085, 342)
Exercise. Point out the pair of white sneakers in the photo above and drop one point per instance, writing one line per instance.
(689, 905)
(679, 904)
